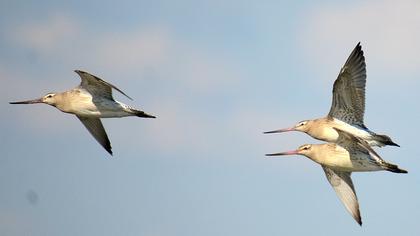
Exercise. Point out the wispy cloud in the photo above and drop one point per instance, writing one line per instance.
(47, 35)
(130, 50)
(387, 29)
(67, 40)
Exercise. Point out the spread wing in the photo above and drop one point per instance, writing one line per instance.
(95, 127)
(348, 102)
(97, 86)
(343, 186)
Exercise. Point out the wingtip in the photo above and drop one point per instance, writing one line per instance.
(358, 47)
(358, 219)
(110, 152)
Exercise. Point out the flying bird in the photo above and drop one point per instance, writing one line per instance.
(90, 101)
(339, 160)
(347, 109)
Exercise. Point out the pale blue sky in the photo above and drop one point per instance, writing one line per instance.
(216, 74)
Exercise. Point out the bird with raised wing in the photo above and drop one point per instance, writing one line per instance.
(349, 154)
(90, 101)
(347, 109)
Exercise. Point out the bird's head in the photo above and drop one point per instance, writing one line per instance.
(49, 98)
(302, 126)
(305, 150)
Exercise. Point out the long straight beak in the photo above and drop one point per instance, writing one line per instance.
(39, 100)
(280, 130)
(295, 152)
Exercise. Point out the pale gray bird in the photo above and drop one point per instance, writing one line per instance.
(339, 160)
(90, 101)
(347, 109)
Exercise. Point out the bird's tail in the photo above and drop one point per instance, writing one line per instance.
(393, 168)
(384, 140)
(135, 112)
(141, 114)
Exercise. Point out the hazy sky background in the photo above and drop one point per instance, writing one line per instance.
(216, 74)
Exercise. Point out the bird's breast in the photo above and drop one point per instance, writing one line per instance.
(79, 104)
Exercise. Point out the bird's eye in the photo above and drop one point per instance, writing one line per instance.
(49, 96)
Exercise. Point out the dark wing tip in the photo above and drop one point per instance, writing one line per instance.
(110, 152)
(107, 146)
(359, 221)
(359, 47)
(357, 216)
(122, 93)
(79, 72)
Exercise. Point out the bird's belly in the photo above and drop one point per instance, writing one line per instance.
(342, 160)
(100, 109)
(101, 112)
(352, 165)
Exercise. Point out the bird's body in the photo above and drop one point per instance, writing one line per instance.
(347, 109)
(349, 154)
(340, 158)
(325, 129)
(80, 102)
(90, 101)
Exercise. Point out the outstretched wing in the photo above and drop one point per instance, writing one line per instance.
(348, 102)
(97, 86)
(343, 186)
(95, 127)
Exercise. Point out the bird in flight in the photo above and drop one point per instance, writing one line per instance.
(347, 109)
(90, 101)
(349, 154)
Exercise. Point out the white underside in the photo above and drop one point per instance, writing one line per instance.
(339, 159)
(356, 131)
(98, 109)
